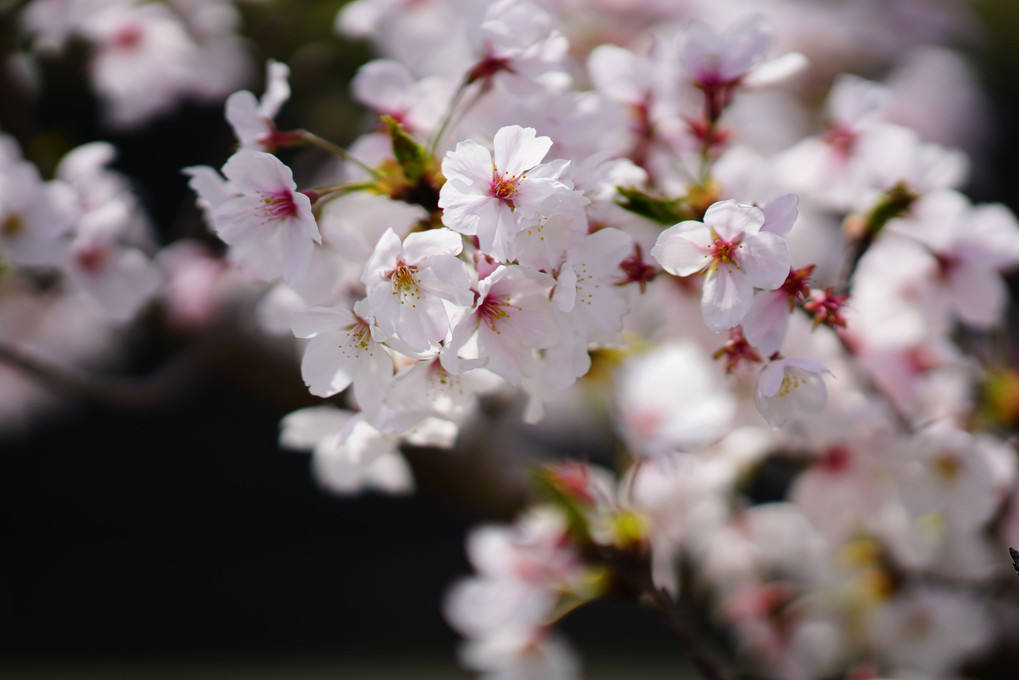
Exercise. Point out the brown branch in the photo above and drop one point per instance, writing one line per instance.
(110, 391)
(706, 662)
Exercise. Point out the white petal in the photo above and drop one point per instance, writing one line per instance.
(776, 70)
(326, 368)
(422, 244)
(731, 219)
(978, 294)
(780, 214)
(516, 150)
(682, 250)
(305, 428)
(449, 278)
(766, 323)
(727, 297)
(469, 161)
(243, 115)
(764, 257)
(771, 378)
(277, 89)
(383, 259)
(315, 320)
(256, 172)
(382, 84)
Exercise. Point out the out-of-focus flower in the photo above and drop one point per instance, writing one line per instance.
(788, 387)
(251, 119)
(672, 399)
(711, 59)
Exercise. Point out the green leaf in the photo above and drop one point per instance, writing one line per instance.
(412, 156)
(661, 210)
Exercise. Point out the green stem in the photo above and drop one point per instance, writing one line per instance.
(312, 138)
(451, 112)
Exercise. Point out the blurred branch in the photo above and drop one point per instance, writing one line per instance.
(110, 391)
(661, 603)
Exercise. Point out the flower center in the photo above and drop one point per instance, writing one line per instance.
(948, 467)
(724, 252)
(790, 381)
(403, 278)
(91, 259)
(12, 226)
(504, 187)
(127, 37)
(281, 205)
(404, 282)
(358, 336)
(492, 310)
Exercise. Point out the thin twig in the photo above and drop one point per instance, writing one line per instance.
(661, 603)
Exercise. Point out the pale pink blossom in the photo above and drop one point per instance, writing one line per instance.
(788, 387)
(120, 277)
(35, 216)
(734, 251)
(711, 59)
(968, 247)
(511, 320)
(495, 195)
(143, 60)
(931, 630)
(408, 284)
(341, 352)
(251, 119)
(348, 455)
(672, 399)
(519, 47)
(267, 216)
(389, 88)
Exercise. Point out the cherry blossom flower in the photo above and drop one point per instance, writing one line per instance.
(251, 119)
(534, 654)
(390, 89)
(711, 59)
(968, 246)
(495, 195)
(407, 284)
(120, 277)
(349, 456)
(518, 44)
(505, 609)
(787, 387)
(737, 255)
(949, 472)
(267, 216)
(930, 629)
(107, 255)
(671, 399)
(143, 60)
(835, 168)
(342, 352)
(35, 216)
(512, 318)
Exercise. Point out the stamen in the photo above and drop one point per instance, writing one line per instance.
(281, 205)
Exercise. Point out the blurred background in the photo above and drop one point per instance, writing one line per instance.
(178, 540)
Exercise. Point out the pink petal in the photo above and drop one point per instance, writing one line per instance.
(517, 150)
(727, 297)
(764, 257)
(683, 249)
(731, 219)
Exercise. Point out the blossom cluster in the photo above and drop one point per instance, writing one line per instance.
(635, 215)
